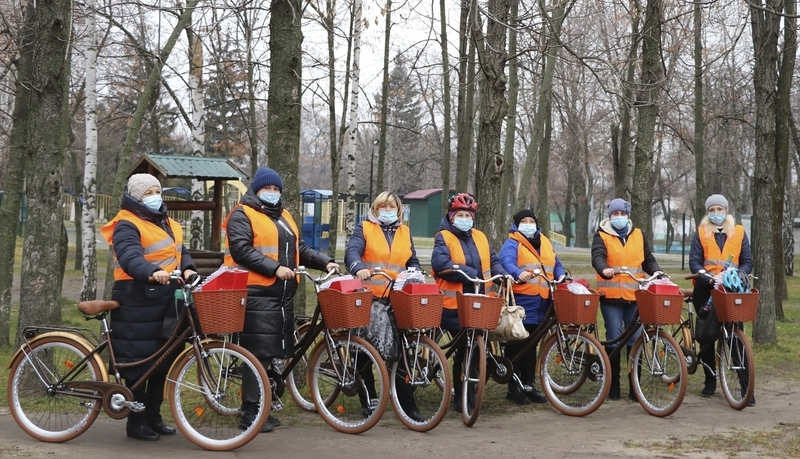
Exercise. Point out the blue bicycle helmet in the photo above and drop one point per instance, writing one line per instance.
(735, 281)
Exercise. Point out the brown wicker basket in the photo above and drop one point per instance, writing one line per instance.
(574, 308)
(220, 311)
(478, 311)
(659, 308)
(735, 307)
(417, 310)
(345, 310)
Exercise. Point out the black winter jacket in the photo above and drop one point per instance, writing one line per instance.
(269, 320)
(136, 324)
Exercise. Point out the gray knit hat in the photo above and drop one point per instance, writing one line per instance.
(619, 204)
(717, 200)
(138, 184)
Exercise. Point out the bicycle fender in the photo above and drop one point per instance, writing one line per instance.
(88, 347)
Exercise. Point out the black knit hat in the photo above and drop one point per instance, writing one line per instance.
(266, 176)
(522, 214)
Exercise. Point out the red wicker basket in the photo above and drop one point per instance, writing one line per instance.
(345, 310)
(659, 308)
(574, 308)
(478, 311)
(417, 310)
(735, 307)
(220, 311)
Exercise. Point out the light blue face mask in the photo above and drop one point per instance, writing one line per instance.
(269, 197)
(464, 224)
(527, 229)
(717, 219)
(153, 201)
(619, 222)
(387, 216)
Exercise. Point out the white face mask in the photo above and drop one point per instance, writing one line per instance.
(527, 229)
(269, 197)
(153, 201)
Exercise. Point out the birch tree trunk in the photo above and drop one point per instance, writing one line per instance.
(89, 192)
(355, 72)
(447, 107)
(50, 25)
(197, 238)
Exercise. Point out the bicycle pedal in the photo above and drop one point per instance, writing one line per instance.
(136, 407)
(527, 388)
(277, 404)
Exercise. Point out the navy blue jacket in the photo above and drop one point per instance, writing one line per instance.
(535, 306)
(697, 256)
(358, 244)
(136, 324)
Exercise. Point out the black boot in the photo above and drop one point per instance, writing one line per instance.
(613, 393)
(533, 394)
(515, 393)
(707, 360)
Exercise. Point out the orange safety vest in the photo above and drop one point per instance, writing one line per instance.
(378, 254)
(630, 256)
(529, 259)
(265, 241)
(457, 256)
(716, 259)
(159, 247)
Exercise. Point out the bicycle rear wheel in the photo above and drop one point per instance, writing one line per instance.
(298, 380)
(206, 396)
(658, 373)
(683, 336)
(415, 387)
(474, 380)
(37, 399)
(573, 367)
(737, 374)
(352, 374)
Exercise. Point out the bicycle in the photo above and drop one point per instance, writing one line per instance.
(339, 362)
(477, 314)
(420, 378)
(656, 364)
(734, 354)
(58, 382)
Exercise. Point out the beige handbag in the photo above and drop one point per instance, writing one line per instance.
(510, 326)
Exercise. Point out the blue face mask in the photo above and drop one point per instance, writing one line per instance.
(387, 216)
(527, 229)
(269, 197)
(619, 222)
(153, 201)
(717, 219)
(464, 224)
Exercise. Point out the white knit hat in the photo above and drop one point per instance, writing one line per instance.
(138, 184)
(717, 199)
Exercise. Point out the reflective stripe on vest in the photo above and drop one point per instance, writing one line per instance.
(527, 260)
(378, 254)
(265, 241)
(631, 256)
(715, 259)
(458, 258)
(158, 246)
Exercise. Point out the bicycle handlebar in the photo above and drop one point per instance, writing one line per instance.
(301, 271)
(474, 280)
(561, 279)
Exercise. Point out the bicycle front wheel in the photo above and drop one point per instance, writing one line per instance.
(658, 373)
(573, 368)
(419, 401)
(474, 380)
(206, 396)
(737, 374)
(350, 372)
(37, 398)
